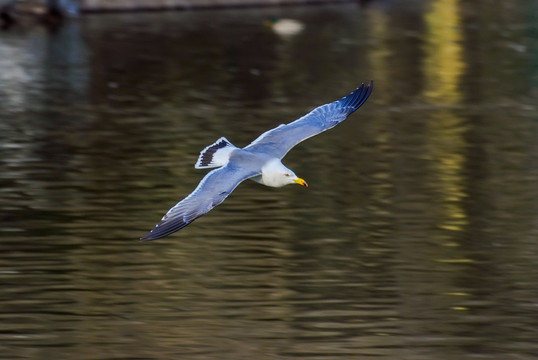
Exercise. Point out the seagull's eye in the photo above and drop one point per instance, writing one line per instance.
(287, 175)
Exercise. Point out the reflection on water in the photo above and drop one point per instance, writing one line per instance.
(443, 75)
(415, 240)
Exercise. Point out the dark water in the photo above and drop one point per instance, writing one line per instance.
(417, 238)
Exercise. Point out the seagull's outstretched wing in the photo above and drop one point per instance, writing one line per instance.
(280, 140)
(211, 191)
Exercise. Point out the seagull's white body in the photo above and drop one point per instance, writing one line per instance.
(259, 161)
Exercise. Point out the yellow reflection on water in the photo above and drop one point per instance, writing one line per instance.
(456, 294)
(455, 261)
(444, 65)
(443, 70)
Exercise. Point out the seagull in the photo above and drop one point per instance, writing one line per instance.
(285, 27)
(259, 161)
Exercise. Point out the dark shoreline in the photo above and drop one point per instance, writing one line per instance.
(209, 6)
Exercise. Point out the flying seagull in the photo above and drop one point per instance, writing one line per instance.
(259, 161)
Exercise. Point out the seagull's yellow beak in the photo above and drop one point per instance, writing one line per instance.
(301, 182)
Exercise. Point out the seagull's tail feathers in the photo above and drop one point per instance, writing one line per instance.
(215, 155)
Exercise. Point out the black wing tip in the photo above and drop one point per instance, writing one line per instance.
(357, 97)
(163, 229)
(149, 236)
(152, 236)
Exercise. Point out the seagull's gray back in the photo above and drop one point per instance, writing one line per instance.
(251, 160)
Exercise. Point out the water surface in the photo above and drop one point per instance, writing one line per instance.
(415, 240)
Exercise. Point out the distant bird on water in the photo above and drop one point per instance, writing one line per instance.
(259, 161)
(285, 27)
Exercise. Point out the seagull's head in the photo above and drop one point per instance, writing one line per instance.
(275, 174)
(292, 178)
(289, 177)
